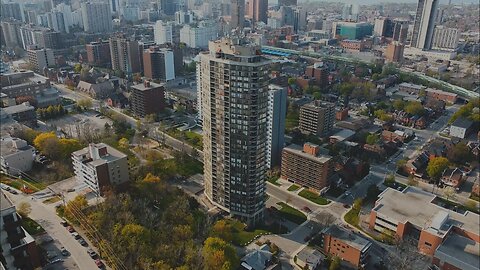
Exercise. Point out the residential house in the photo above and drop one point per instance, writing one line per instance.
(16, 156)
(452, 177)
(417, 165)
(98, 90)
(259, 259)
(309, 257)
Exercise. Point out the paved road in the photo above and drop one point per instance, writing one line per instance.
(45, 215)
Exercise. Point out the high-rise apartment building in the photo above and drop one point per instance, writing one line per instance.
(100, 166)
(237, 14)
(400, 31)
(96, 17)
(11, 33)
(18, 249)
(394, 52)
(183, 17)
(317, 118)
(12, 10)
(98, 53)
(299, 18)
(158, 64)
(56, 22)
(169, 7)
(445, 38)
(350, 12)
(424, 24)
(163, 32)
(234, 101)
(40, 58)
(125, 54)
(306, 166)
(383, 27)
(277, 112)
(147, 98)
(257, 10)
(199, 36)
(287, 2)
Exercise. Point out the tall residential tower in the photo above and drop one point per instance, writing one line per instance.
(234, 99)
(424, 24)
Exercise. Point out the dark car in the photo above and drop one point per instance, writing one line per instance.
(64, 251)
(13, 191)
(346, 205)
(70, 229)
(64, 223)
(99, 263)
(83, 242)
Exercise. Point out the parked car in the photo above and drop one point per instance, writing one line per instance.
(83, 242)
(64, 223)
(76, 235)
(99, 263)
(13, 191)
(51, 255)
(70, 190)
(91, 253)
(64, 251)
(70, 229)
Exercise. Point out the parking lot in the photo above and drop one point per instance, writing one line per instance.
(53, 249)
(76, 125)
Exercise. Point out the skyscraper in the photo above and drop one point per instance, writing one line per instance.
(96, 17)
(234, 98)
(125, 54)
(350, 12)
(277, 111)
(424, 24)
(257, 10)
(445, 38)
(237, 14)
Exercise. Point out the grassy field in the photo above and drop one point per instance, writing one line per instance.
(313, 197)
(293, 187)
(20, 183)
(273, 180)
(291, 213)
(190, 137)
(241, 237)
(31, 226)
(52, 200)
(352, 217)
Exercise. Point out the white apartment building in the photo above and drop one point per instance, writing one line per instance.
(96, 17)
(163, 32)
(445, 38)
(99, 166)
(183, 17)
(16, 155)
(40, 58)
(198, 36)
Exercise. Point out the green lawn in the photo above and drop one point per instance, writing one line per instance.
(31, 226)
(394, 185)
(241, 237)
(352, 216)
(273, 180)
(313, 197)
(190, 137)
(293, 187)
(291, 213)
(20, 183)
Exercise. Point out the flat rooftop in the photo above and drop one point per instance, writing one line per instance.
(112, 154)
(415, 206)
(459, 251)
(298, 150)
(8, 147)
(348, 237)
(5, 202)
(18, 108)
(142, 87)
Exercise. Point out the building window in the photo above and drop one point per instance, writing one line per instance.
(428, 244)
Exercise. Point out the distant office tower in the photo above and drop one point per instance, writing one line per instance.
(12, 10)
(199, 36)
(287, 15)
(317, 118)
(163, 32)
(77, 18)
(277, 111)
(445, 38)
(257, 10)
(383, 27)
(147, 98)
(125, 54)
(114, 6)
(39, 36)
(400, 31)
(394, 52)
(131, 14)
(96, 17)
(306, 166)
(158, 64)
(183, 17)
(66, 11)
(299, 19)
(424, 24)
(169, 7)
(350, 12)
(237, 14)
(351, 30)
(11, 33)
(31, 17)
(234, 98)
(287, 2)
(56, 22)
(40, 58)
(98, 53)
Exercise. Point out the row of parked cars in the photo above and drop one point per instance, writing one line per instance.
(84, 243)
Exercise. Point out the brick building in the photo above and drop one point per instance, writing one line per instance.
(305, 167)
(441, 95)
(98, 53)
(350, 247)
(450, 238)
(147, 98)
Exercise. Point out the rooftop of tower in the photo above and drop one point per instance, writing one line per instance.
(236, 45)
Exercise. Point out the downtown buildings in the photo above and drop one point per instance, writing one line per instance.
(424, 24)
(97, 17)
(234, 101)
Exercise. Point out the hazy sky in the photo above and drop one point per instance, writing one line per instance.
(369, 2)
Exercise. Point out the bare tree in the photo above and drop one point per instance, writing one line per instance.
(324, 218)
(405, 256)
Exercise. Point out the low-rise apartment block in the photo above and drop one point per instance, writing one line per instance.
(100, 166)
(147, 98)
(23, 113)
(347, 245)
(451, 238)
(441, 95)
(306, 167)
(16, 155)
(317, 118)
(18, 249)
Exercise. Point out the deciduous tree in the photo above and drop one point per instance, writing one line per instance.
(219, 255)
(436, 166)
